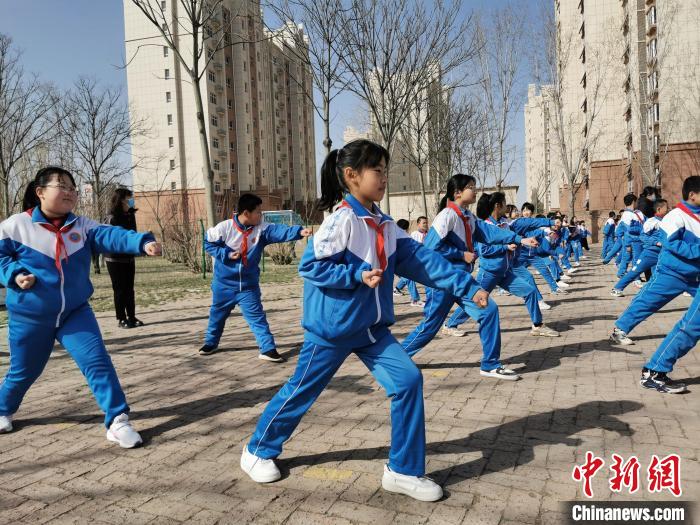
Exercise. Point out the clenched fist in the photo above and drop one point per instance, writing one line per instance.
(25, 281)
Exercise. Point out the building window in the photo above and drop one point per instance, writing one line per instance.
(173, 185)
(246, 107)
(217, 165)
(168, 96)
(228, 61)
(248, 149)
(229, 104)
(217, 187)
(166, 51)
(247, 128)
(210, 53)
(244, 66)
(230, 146)
(215, 143)
(166, 74)
(171, 142)
(170, 120)
(211, 76)
(245, 86)
(214, 121)
(162, 5)
(230, 124)
(212, 98)
(228, 82)
(263, 154)
(172, 164)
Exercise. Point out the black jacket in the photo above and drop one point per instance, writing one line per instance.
(128, 222)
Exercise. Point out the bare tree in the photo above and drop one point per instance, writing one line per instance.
(96, 123)
(316, 47)
(501, 57)
(25, 123)
(393, 49)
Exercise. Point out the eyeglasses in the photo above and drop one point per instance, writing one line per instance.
(62, 188)
(470, 187)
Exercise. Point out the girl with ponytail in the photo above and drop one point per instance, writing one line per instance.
(348, 270)
(45, 257)
(454, 234)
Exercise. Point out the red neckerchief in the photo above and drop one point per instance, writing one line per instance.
(58, 231)
(467, 230)
(379, 230)
(638, 217)
(687, 210)
(244, 243)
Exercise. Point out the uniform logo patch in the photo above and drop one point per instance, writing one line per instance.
(74, 237)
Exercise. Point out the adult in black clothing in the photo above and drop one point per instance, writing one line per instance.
(122, 268)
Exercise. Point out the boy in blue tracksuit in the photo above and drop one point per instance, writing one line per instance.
(236, 245)
(348, 271)
(453, 234)
(651, 248)
(608, 235)
(629, 231)
(45, 260)
(678, 268)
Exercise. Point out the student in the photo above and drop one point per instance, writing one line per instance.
(495, 262)
(629, 229)
(122, 267)
(680, 340)
(608, 234)
(539, 257)
(677, 271)
(453, 234)
(237, 244)
(45, 259)
(652, 247)
(418, 236)
(348, 270)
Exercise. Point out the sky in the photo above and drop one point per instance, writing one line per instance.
(62, 40)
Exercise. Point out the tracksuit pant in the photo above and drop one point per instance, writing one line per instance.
(646, 262)
(224, 300)
(608, 243)
(680, 340)
(31, 346)
(391, 367)
(541, 264)
(412, 288)
(437, 305)
(516, 285)
(658, 292)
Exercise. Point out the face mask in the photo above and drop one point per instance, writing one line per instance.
(131, 203)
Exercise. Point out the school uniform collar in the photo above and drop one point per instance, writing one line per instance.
(39, 218)
(691, 207)
(364, 213)
(240, 226)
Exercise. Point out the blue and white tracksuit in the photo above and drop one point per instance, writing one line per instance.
(630, 226)
(56, 307)
(448, 237)
(679, 341)
(564, 249)
(608, 237)
(237, 282)
(343, 316)
(545, 257)
(677, 271)
(616, 249)
(650, 253)
(417, 236)
(496, 268)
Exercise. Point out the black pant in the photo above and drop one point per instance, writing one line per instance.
(122, 275)
(584, 244)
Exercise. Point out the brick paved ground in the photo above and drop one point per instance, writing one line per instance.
(504, 451)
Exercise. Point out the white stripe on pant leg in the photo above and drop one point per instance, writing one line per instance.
(284, 404)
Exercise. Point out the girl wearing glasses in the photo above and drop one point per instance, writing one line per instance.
(45, 255)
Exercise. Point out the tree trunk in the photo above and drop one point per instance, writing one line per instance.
(422, 191)
(327, 142)
(572, 201)
(204, 145)
(6, 196)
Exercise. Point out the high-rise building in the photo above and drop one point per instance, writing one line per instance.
(256, 96)
(630, 77)
(542, 185)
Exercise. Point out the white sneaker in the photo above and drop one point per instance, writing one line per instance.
(563, 284)
(500, 373)
(543, 331)
(544, 306)
(638, 283)
(571, 271)
(576, 264)
(454, 332)
(619, 337)
(422, 489)
(5, 424)
(584, 257)
(560, 291)
(616, 293)
(260, 470)
(418, 304)
(565, 277)
(121, 432)
(686, 294)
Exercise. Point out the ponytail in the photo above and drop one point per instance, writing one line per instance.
(457, 182)
(358, 154)
(42, 178)
(484, 207)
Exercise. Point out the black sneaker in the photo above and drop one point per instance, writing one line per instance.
(135, 322)
(123, 323)
(272, 356)
(661, 382)
(645, 375)
(208, 350)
